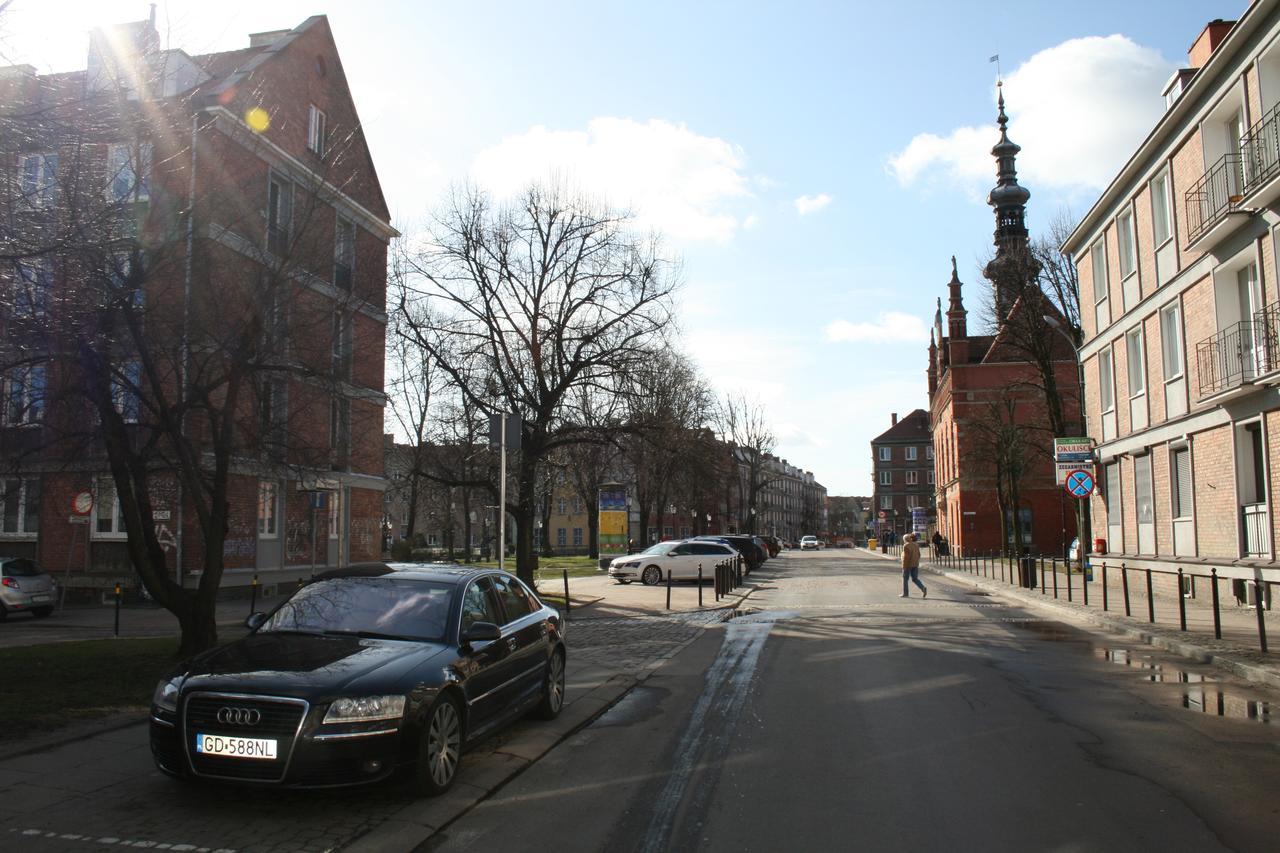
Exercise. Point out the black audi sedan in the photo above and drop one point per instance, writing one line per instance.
(360, 673)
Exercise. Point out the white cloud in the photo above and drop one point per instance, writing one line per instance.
(689, 187)
(1078, 110)
(892, 327)
(807, 204)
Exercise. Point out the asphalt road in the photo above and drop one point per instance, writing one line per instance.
(839, 716)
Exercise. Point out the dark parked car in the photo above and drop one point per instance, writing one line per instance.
(774, 544)
(362, 672)
(751, 550)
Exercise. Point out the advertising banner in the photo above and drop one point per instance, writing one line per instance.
(613, 519)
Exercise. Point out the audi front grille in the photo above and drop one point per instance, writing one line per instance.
(261, 717)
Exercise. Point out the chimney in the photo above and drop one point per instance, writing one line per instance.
(1210, 37)
(265, 38)
(893, 419)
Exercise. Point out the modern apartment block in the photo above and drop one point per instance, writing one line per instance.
(902, 468)
(1181, 316)
(211, 176)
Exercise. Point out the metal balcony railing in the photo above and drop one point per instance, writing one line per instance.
(1261, 147)
(1257, 536)
(1215, 195)
(1239, 353)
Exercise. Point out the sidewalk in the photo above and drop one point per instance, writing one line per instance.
(1237, 652)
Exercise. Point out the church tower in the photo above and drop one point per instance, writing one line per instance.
(1013, 266)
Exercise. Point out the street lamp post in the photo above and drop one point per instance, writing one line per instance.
(1082, 508)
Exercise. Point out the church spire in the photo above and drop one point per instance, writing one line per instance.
(956, 313)
(1013, 266)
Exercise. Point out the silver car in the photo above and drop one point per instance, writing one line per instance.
(24, 586)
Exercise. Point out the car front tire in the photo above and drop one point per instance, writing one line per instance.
(652, 576)
(553, 689)
(441, 748)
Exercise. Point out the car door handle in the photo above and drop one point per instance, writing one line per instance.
(512, 643)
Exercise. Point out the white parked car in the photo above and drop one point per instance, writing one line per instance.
(681, 558)
(809, 543)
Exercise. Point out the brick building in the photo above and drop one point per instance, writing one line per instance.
(983, 389)
(241, 208)
(903, 471)
(1181, 316)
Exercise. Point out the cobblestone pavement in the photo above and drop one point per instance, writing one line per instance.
(104, 791)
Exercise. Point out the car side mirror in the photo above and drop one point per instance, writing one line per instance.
(481, 632)
(255, 621)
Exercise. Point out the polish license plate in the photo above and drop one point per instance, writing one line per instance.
(39, 598)
(236, 747)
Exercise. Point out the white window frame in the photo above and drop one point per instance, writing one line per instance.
(121, 162)
(1161, 208)
(24, 490)
(886, 478)
(38, 178)
(886, 454)
(577, 537)
(1101, 283)
(32, 288)
(928, 451)
(125, 396)
(930, 478)
(316, 125)
(117, 530)
(1175, 491)
(562, 536)
(913, 478)
(912, 454)
(886, 502)
(1106, 380)
(1171, 346)
(1134, 343)
(23, 400)
(1127, 244)
(268, 509)
(344, 252)
(280, 218)
(335, 512)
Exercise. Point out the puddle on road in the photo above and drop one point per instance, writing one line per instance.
(1055, 632)
(638, 705)
(755, 616)
(1156, 672)
(1226, 705)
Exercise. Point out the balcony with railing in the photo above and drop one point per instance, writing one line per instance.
(1257, 532)
(1214, 196)
(1237, 178)
(1239, 354)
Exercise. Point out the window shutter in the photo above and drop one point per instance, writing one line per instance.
(1182, 483)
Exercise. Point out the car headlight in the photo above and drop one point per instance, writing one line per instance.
(365, 708)
(166, 696)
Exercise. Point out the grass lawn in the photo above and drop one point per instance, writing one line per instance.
(553, 567)
(49, 686)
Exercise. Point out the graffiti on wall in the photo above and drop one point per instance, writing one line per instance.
(168, 541)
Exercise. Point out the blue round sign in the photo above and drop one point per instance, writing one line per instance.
(1080, 484)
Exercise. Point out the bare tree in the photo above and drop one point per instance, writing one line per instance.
(542, 297)
(745, 427)
(1000, 446)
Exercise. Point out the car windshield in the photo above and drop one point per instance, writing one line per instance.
(660, 549)
(21, 568)
(369, 607)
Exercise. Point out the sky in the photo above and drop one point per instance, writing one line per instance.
(814, 165)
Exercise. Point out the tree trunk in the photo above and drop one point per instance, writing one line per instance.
(527, 488)
(466, 524)
(593, 529)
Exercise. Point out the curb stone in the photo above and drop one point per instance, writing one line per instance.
(1160, 638)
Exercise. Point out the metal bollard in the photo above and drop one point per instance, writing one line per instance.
(1084, 585)
(1104, 586)
(1043, 591)
(1217, 615)
(1055, 577)
(566, 595)
(253, 594)
(1182, 603)
(668, 589)
(1151, 601)
(1258, 598)
(118, 590)
(1067, 565)
(1124, 577)
(715, 581)
(699, 586)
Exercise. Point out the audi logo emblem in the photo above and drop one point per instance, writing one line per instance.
(239, 716)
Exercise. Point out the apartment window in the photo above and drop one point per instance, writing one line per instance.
(335, 513)
(19, 506)
(24, 396)
(32, 286)
(912, 454)
(886, 478)
(886, 502)
(128, 171)
(126, 386)
(268, 506)
(561, 537)
(1161, 212)
(344, 254)
(39, 179)
(928, 451)
(124, 287)
(274, 415)
(107, 523)
(930, 478)
(1171, 340)
(279, 214)
(343, 349)
(1106, 381)
(340, 430)
(1137, 363)
(1115, 528)
(886, 454)
(913, 478)
(560, 506)
(1128, 247)
(315, 130)
(577, 505)
(1144, 500)
(1180, 482)
(668, 532)
(1101, 285)
(577, 537)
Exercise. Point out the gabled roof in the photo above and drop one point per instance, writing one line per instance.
(913, 427)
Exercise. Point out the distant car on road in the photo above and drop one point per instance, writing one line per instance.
(681, 558)
(25, 587)
(362, 672)
(809, 543)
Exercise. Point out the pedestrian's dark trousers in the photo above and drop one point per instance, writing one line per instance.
(912, 574)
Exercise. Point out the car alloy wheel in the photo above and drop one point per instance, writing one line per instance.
(442, 748)
(652, 576)
(553, 696)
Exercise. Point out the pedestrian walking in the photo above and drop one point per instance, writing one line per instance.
(911, 565)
